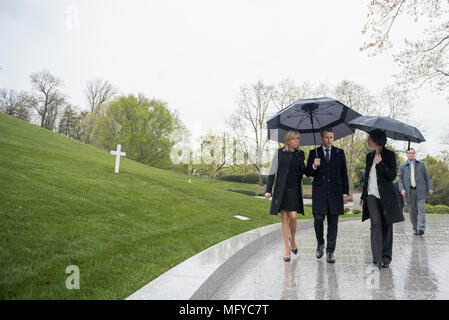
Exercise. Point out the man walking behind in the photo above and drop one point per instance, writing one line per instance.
(415, 185)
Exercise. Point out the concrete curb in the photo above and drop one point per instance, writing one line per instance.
(201, 275)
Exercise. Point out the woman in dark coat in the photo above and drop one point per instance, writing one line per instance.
(288, 167)
(378, 200)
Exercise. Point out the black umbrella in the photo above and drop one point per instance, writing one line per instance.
(394, 129)
(308, 117)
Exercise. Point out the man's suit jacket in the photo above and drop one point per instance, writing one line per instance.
(422, 179)
(330, 181)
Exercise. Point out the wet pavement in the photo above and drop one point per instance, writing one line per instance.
(419, 267)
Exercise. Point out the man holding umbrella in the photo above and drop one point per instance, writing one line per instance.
(330, 189)
(329, 118)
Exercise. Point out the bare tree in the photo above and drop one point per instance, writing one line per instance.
(445, 142)
(98, 92)
(359, 99)
(394, 103)
(424, 61)
(321, 89)
(88, 123)
(47, 99)
(287, 91)
(16, 104)
(254, 106)
(215, 154)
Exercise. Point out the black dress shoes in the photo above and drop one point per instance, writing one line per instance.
(421, 232)
(319, 251)
(330, 257)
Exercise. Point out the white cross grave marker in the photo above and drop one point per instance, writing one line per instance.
(117, 158)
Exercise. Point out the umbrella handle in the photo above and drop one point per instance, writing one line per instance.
(313, 134)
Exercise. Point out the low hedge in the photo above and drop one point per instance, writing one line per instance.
(438, 209)
(354, 211)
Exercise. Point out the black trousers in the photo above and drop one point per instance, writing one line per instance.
(381, 232)
(332, 228)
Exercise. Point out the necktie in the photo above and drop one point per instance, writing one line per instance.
(412, 169)
(327, 155)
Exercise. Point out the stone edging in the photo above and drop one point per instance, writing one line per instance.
(201, 275)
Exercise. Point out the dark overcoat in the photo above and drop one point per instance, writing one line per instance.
(399, 195)
(330, 181)
(279, 170)
(386, 173)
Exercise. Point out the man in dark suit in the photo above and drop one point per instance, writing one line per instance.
(330, 190)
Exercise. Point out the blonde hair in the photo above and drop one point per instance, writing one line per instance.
(290, 135)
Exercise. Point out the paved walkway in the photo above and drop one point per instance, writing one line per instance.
(419, 269)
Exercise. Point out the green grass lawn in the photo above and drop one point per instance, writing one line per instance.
(62, 204)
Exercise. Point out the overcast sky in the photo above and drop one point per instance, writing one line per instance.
(195, 55)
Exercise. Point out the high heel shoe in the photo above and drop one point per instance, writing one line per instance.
(294, 251)
(286, 259)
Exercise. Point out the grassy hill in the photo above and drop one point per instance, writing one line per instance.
(62, 204)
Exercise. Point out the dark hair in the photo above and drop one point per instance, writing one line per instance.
(327, 129)
(379, 137)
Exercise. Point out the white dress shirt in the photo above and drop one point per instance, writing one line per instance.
(373, 189)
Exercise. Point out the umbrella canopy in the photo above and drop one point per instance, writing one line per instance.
(309, 116)
(394, 129)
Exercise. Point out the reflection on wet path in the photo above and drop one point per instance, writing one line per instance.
(419, 269)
